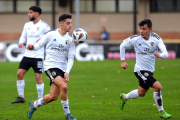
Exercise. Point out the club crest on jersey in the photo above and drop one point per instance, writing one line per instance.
(37, 28)
(67, 42)
(152, 44)
(146, 74)
(53, 73)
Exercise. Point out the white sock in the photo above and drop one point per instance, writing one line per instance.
(20, 88)
(65, 105)
(158, 99)
(132, 95)
(39, 102)
(40, 90)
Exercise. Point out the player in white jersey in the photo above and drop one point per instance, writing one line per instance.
(60, 51)
(146, 46)
(32, 31)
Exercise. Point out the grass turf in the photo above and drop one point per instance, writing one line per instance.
(93, 92)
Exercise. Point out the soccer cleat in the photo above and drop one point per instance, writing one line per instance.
(165, 115)
(32, 109)
(19, 100)
(123, 101)
(70, 117)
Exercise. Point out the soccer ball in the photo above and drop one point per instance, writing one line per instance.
(79, 35)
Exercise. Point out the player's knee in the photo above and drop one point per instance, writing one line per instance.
(53, 98)
(19, 75)
(142, 94)
(64, 88)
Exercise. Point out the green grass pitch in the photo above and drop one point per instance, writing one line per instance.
(93, 92)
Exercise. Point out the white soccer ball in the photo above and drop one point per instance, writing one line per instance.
(79, 35)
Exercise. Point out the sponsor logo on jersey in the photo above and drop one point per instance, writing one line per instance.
(140, 44)
(61, 46)
(67, 42)
(54, 40)
(53, 73)
(152, 44)
(37, 28)
(146, 74)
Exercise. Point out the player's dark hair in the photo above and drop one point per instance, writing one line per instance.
(36, 9)
(64, 16)
(146, 21)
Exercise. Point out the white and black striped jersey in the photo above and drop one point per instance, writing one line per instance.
(30, 34)
(60, 50)
(145, 60)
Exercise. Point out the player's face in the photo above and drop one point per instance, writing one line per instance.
(145, 31)
(67, 24)
(32, 15)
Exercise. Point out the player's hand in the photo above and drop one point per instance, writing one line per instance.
(157, 55)
(20, 45)
(66, 77)
(124, 65)
(30, 47)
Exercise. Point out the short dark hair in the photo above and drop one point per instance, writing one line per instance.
(36, 9)
(146, 21)
(64, 16)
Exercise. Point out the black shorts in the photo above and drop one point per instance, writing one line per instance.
(146, 79)
(52, 73)
(35, 63)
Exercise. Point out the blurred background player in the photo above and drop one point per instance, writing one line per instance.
(32, 31)
(146, 46)
(104, 35)
(60, 51)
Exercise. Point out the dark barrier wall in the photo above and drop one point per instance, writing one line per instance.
(85, 51)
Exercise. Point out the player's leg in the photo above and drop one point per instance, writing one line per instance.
(56, 75)
(23, 68)
(64, 97)
(59, 81)
(39, 85)
(37, 65)
(54, 93)
(140, 92)
(158, 99)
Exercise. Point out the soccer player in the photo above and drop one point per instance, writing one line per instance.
(146, 45)
(32, 31)
(60, 51)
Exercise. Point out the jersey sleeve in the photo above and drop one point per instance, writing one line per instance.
(23, 35)
(163, 49)
(41, 42)
(70, 56)
(126, 43)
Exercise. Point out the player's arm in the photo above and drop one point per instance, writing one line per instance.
(71, 54)
(22, 39)
(126, 43)
(163, 49)
(39, 44)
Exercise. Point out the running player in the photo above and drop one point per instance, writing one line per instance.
(60, 51)
(146, 45)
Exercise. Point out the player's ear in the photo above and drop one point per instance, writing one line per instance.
(150, 29)
(60, 23)
(37, 14)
